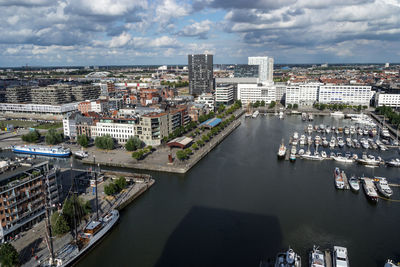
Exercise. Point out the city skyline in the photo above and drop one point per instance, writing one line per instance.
(122, 32)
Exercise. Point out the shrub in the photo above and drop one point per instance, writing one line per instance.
(53, 137)
(83, 140)
(31, 137)
(133, 143)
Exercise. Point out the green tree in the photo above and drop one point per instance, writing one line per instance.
(262, 103)
(138, 154)
(181, 155)
(83, 140)
(31, 137)
(59, 224)
(272, 104)
(195, 146)
(205, 138)
(74, 209)
(104, 142)
(8, 255)
(289, 106)
(295, 106)
(221, 108)
(110, 189)
(188, 151)
(133, 143)
(121, 183)
(53, 137)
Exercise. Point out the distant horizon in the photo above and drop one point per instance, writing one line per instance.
(171, 65)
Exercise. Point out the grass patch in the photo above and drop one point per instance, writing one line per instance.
(48, 126)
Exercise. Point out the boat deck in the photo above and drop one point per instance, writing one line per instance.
(328, 258)
(346, 181)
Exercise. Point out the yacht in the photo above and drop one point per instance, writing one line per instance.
(368, 160)
(309, 140)
(317, 140)
(332, 155)
(255, 114)
(346, 130)
(325, 142)
(317, 258)
(339, 182)
(295, 142)
(393, 163)
(50, 151)
(281, 115)
(328, 129)
(308, 155)
(295, 135)
(364, 143)
(288, 259)
(390, 263)
(310, 117)
(303, 116)
(310, 129)
(293, 152)
(340, 257)
(348, 142)
(359, 131)
(365, 131)
(332, 143)
(323, 154)
(354, 184)
(385, 133)
(356, 143)
(302, 140)
(81, 154)
(301, 152)
(369, 189)
(282, 151)
(342, 159)
(352, 130)
(383, 187)
(340, 142)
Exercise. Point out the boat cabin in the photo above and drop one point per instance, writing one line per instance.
(92, 228)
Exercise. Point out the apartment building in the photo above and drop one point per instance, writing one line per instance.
(18, 94)
(22, 198)
(345, 94)
(390, 100)
(98, 106)
(250, 93)
(121, 129)
(224, 94)
(207, 99)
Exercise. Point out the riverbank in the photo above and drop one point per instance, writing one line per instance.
(158, 160)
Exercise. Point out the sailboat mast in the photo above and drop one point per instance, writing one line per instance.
(95, 184)
(49, 239)
(74, 204)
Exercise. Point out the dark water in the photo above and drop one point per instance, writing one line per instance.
(240, 205)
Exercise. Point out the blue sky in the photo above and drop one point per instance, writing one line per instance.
(133, 32)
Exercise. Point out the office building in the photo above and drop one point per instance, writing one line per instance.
(201, 78)
(224, 94)
(18, 94)
(345, 94)
(390, 100)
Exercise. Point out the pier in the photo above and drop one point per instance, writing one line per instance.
(345, 180)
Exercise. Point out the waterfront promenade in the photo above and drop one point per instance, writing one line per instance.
(158, 160)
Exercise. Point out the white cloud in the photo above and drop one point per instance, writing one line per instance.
(200, 29)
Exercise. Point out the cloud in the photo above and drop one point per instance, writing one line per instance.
(167, 10)
(196, 29)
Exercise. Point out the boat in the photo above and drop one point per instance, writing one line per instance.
(301, 151)
(340, 257)
(293, 152)
(310, 117)
(364, 143)
(296, 135)
(342, 159)
(316, 156)
(339, 182)
(310, 129)
(282, 151)
(255, 114)
(340, 142)
(368, 160)
(93, 232)
(332, 143)
(317, 258)
(369, 189)
(348, 142)
(323, 154)
(332, 154)
(309, 140)
(303, 116)
(80, 154)
(50, 151)
(302, 140)
(383, 187)
(288, 259)
(393, 163)
(317, 140)
(346, 130)
(390, 263)
(337, 114)
(354, 184)
(328, 129)
(385, 133)
(352, 130)
(281, 115)
(325, 143)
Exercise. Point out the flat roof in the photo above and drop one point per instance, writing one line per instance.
(183, 140)
(211, 122)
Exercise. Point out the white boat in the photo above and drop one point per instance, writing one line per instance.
(80, 154)
(312, 157)
(337, 114)
(323, 154)
(352, 130)
(369, 189)
(288, 259)
(340, 257)
(383, 187)
(340, 142)
(293, 152)
(281, 151)
(93, 232)
(302, 140)
(354, 184)
(281, 115)
(332, 143)
(390, 263)
(301, 152)
(364, 143)
(309, 140)
(317, 140)
(303, 116)
(368, 160)
(393, 163)
(343, 159)
(310, 117)
(296, 135)
(385, 133)
(339, 182)
(317, 258)
(310, 129)
(255, 114)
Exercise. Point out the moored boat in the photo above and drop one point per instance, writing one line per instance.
(288, 259)
(369, 189)
(317, 258)
(80, 154)
(50, 151)
(393, 163)
(339, 182)
(340, 257)
(383, 187)
(282, 151)
(354, 184)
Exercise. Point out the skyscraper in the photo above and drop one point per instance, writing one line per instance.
(265, 68)
(200, 74)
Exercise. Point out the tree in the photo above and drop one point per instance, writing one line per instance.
(31, 137)
(181, 155)
(272, 104)
(121, 183)
(138, 154)
(53, 137)
(205, 138)
(104, 142)
(289, 106)
(83, 140)
(8, 255)
(195, 146)
(110, 189)
(295, 106)
(74, 209)
(221, 108)
(188, 151)
(262, 103)
(59, 224)
(133, 143)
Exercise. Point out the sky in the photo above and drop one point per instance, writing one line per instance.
(157, 32)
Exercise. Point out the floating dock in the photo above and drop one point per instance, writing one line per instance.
(345, 180)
